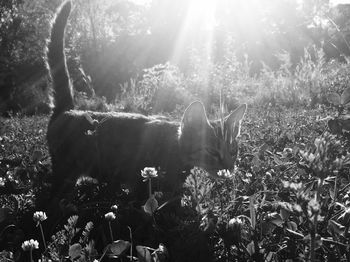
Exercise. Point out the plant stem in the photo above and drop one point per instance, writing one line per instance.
(252, 211)
(228, 250)
(110, 231)
(104, 252)
(42, 236)
(131, 259)
(196, 195)
(150, 187)
(335, 189)
(31, 255)
(312, 245)
(313, 231)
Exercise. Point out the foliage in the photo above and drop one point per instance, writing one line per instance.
(114, 42)
(162, 89)
(286, 199)
(339, 123)
(307, 83)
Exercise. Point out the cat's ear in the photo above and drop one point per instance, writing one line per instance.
(233, 120)
(195, 116)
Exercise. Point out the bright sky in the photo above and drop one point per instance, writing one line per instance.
(142, 2)
(335, 2)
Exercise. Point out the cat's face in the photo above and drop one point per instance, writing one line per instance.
(210, 145)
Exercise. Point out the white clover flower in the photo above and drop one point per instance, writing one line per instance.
(225, 173)
(149, 172)
(86, 180)
(114, 208)
(30, 245)
(39, 216)
(297, 208)
(162, 248)
(2, 182)
(235, 221)
(234, 228)
(313, 206)
(110, 216)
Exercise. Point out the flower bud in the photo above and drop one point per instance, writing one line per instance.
(233, 231)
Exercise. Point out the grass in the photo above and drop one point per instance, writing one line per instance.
(276, 198)
(287, 199)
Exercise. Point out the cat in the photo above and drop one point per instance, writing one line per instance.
(116, 146)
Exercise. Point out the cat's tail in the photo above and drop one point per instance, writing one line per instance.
(56, 60)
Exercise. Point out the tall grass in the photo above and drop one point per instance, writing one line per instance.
(163, 88)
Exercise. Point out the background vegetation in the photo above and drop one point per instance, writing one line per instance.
(109, 45)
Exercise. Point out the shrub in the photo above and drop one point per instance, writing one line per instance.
(161, 89)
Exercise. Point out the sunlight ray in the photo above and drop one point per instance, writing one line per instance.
(197, 28)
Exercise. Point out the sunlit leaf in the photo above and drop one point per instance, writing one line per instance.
(295, 234)
(161, 254)
(143, 254)
(37, 156)
(284, 214)
(277, 160)
(252, 211)
(276, 219)
(345, 217)
(345, 96)
(334, 99)
(251, 248)
(119, 246)
(292, 225)
(335, 228)
(151, 205)
(256, 162)
(75, 251)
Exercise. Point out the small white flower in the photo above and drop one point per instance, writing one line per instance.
(313, 206)
(149, 172)
(2, 182)
(162, 248)
(114, 208)
(235, 220)
(30, 245)
(39, 216)
(225, 173)
(110, 216)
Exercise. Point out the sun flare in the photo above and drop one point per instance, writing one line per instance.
(202, 14)
(198, 25)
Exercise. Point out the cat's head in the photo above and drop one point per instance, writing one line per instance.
(210, 145)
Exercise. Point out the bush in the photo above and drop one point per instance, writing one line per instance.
(93, 103)
(161, 89)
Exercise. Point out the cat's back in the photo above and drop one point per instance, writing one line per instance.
(117, 136)
(74, 120)
(76, 130)
(131, 135)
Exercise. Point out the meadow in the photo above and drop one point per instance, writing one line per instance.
(287, 199)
